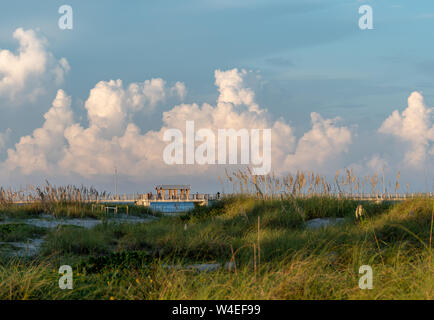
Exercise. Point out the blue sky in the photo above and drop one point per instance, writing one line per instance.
(310, 55)
(298, 46)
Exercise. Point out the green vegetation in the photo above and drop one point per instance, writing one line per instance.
(19, 232)
(21, 211)
(69, 210)
(276, 255)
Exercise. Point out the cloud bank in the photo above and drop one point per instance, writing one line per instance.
(109, 137)
(113, 140)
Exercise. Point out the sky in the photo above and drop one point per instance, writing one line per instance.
(76, 103)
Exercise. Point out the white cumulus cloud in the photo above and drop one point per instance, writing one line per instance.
(109, 103)
(93, 151)
(42, 150)
(324, 142)
(415, 127)
(24, 75)
(113, 139)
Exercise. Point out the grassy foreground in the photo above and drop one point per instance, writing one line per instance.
(275, 255)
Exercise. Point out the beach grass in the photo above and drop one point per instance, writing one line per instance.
(273, 254)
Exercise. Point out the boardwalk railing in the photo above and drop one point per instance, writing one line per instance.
(205, 198)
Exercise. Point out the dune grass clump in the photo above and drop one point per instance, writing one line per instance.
(61, 201)
(307, 184)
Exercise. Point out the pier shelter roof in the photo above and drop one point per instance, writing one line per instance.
(173, 186)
